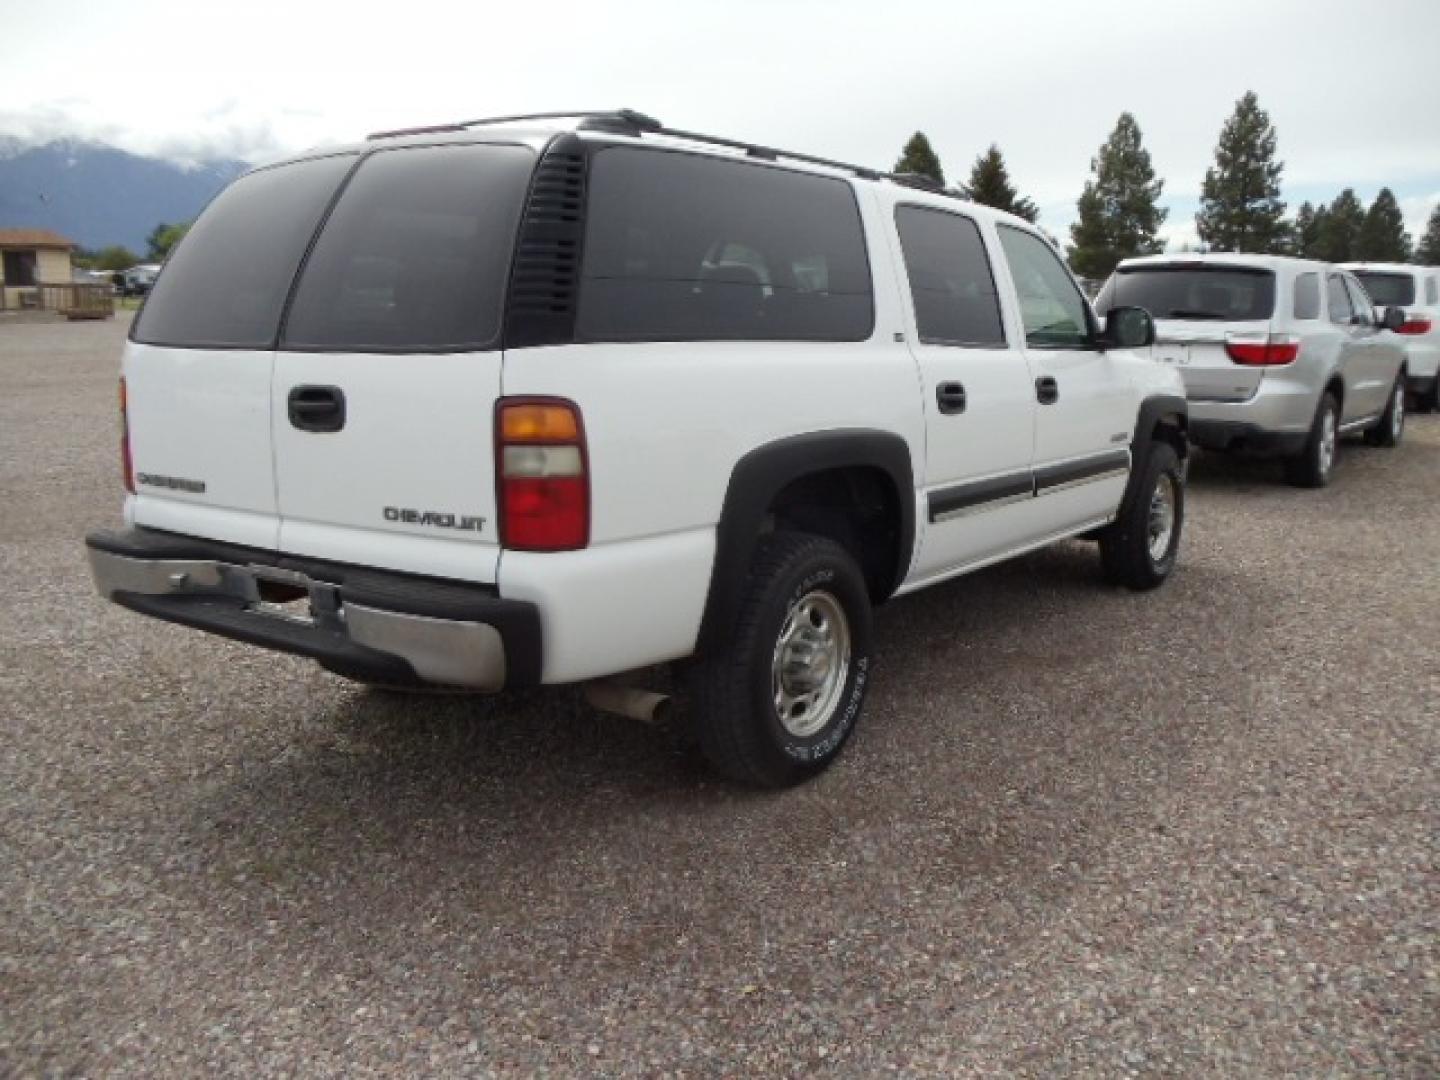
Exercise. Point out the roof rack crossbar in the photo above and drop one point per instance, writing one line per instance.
(461, 125)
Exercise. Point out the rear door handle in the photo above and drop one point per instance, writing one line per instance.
(1047, 390)
(950, 397)
(317, 408)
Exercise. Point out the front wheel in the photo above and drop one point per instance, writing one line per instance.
(1139, 548)
(1391, 427)
(778, 704)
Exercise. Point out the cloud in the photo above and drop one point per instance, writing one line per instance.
(210, 134)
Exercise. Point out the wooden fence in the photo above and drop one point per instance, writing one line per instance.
(73, 300)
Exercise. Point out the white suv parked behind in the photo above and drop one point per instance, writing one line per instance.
(1280, 356)
(1416, 290)
(544, 401)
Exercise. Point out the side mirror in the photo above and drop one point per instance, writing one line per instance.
(1393, 318)
(1127, 328)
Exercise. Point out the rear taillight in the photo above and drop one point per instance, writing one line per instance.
(541, 470)
(1262, 350)
(1415, 324)
(127, 464)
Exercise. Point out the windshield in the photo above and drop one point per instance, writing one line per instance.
(1217, 293)
(1388, 290)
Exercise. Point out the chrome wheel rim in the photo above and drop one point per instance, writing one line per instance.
(811, 663)
(1161, 528)
(1326, 451)
(1397, 413)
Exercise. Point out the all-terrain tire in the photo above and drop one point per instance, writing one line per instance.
(747, 700)
(1138, 549)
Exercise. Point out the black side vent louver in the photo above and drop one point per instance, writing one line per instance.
(545, 279)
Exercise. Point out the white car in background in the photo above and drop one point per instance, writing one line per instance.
(1416, 289)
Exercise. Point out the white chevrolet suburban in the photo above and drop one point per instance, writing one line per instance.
(556, 399)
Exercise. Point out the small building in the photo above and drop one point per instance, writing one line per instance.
(30, 258)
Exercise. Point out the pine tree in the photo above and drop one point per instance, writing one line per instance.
(1382, 235)
(1428, 253)
(1339, 232)
(1118, 212)
(1240, 205)
(1305, 230)
(990, 186)
(919, 158)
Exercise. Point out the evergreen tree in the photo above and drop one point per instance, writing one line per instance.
(1428, 253)
(1339, 232)
(1240, 205)
(919, 158)
(990, 186)
(1305, 231)
(1382, 235)
(1118, 212)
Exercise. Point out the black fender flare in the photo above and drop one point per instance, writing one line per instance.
(1152, 410)
(761, 475)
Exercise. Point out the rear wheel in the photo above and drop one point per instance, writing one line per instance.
(778, 704)
(1391, 427)
(1138, 550)
(1311, 468)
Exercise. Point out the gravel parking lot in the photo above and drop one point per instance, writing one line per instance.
(1080, 831)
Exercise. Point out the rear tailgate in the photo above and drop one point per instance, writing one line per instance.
(200, 366)
(389, 365)
(1207, 316)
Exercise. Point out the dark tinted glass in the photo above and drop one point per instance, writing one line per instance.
(1307, 296)
(1388, 290)
(416, 253)
(950, 279)
(227, 281)
(680, 247)
(1337, 299)
(1221, 293)
(1054, 312)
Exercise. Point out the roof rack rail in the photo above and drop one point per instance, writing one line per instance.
(631, 122)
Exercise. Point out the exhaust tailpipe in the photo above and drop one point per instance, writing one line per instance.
(644, 705)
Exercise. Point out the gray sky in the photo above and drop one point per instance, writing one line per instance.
(1354, 90)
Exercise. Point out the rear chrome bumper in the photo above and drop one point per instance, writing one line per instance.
(347, 618)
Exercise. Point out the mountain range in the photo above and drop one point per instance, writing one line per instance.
(98, 195)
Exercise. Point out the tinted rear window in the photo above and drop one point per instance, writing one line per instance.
(682, 247)
(416, 253)
(1388, 290)
(950, 278)
(226, 283)
(1224, 294)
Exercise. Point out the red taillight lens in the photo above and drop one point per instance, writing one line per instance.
(1262, 350)
(1415, 324)
(127, 465)
(541, 475)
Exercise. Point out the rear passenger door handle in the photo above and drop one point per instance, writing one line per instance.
(1047, 390)
(950, 397)
(317, 408)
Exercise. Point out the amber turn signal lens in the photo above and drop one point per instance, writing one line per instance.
(538, 423)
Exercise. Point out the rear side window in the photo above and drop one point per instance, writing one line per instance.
(1181, 291)
(1052, 309)
(682, 247)
(1360, 302)
(226, 283)
(416, 253)
(1307, 296)
(1337, 300)
(950, 278)
(1388, 290)
(1432, 292)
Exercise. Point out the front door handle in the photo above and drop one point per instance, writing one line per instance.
(1047, 390)
(950, 397)
(317, 408)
